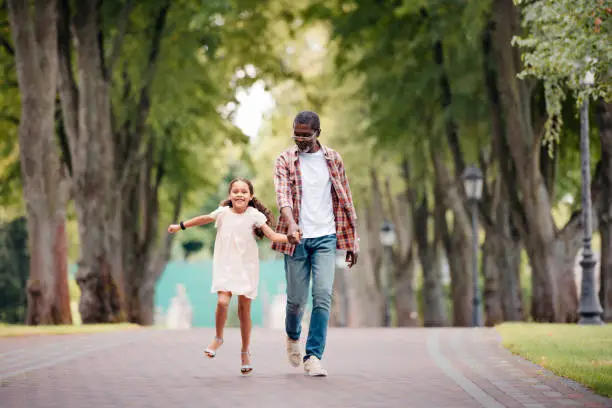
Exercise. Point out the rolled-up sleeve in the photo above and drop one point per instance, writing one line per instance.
(282, 184)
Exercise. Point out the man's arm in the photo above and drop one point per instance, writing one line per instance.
(284, 198)
(282, 184)
(351, 256)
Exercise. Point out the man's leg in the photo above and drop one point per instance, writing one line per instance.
(297, 274)
(323, 259)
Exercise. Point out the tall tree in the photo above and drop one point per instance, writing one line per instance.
(45, 188)
(551, 250)
(563, 40)
(90, 153)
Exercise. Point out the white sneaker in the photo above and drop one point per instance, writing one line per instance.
(293, 352)
(313, 368)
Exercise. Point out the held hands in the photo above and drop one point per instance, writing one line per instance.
(294, 238)
(173, 228)
(294, 235)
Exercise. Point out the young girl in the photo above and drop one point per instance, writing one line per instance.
(236, 257)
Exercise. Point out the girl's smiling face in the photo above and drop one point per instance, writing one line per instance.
(240, 195)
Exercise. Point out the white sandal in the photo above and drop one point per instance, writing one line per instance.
(246, 369)
(212, 353)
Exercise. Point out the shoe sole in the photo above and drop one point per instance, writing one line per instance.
(316, 375)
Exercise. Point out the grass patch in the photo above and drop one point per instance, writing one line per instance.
(580, 353)
(15, 330)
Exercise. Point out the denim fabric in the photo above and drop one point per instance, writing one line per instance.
(316, 258)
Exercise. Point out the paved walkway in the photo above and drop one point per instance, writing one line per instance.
(368, 368)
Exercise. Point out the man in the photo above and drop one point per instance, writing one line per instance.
(314, 199)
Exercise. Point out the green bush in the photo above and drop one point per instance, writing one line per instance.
(14, 270)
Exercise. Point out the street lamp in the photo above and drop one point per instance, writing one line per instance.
(473, 181)
(387, 239)
(590, 309)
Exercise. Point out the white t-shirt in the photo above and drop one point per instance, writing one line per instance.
(316, 211)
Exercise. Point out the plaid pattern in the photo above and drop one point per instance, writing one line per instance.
(288, 186)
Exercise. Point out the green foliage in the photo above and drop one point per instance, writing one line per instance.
(206, 55)
(10, 177)
(191, 246)
(564, 40)
(390, 49)
(14, 270)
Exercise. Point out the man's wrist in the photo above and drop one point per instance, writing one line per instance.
(182, 225)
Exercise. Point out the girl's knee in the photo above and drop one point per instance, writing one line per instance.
(223, 303)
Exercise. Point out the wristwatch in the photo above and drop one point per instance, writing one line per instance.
(182, 225)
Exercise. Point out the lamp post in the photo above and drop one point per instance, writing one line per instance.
(341, 269)
(590, 309)
(472, 181)
(387, 239)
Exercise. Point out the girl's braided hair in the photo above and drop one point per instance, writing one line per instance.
(255, 203)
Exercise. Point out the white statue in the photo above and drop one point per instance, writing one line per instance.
(179, 313)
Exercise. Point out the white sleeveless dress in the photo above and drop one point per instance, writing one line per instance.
(236, 255)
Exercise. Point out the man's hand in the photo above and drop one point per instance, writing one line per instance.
(294, 234)
(294, 239)
(351, 258)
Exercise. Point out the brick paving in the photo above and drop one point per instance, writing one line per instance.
(368, 368)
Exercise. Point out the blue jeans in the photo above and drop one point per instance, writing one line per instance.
(316, 257)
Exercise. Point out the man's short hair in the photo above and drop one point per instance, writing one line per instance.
(308, 118)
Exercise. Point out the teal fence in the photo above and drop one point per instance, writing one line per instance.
(196, 277)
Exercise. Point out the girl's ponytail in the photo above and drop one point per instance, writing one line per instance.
(259, 206)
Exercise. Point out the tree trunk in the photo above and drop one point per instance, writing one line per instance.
(459, 254)
(509, 270)
(605, 277)
(491, 295)
(536, 224)
(45, 189)
(151, 253)
(604, 121)
(429, 251)
(134, 261)
(457, 243)
(140, 181)
(404, 255)
(87, 121)
(502, 293)
(502, 255)
(60, 251)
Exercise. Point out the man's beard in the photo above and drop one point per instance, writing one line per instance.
(304, 147)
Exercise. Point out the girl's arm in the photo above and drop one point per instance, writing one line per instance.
(194, 222)
(273, 236)
(199, 220)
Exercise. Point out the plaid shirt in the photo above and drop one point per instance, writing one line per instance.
(288, 186)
